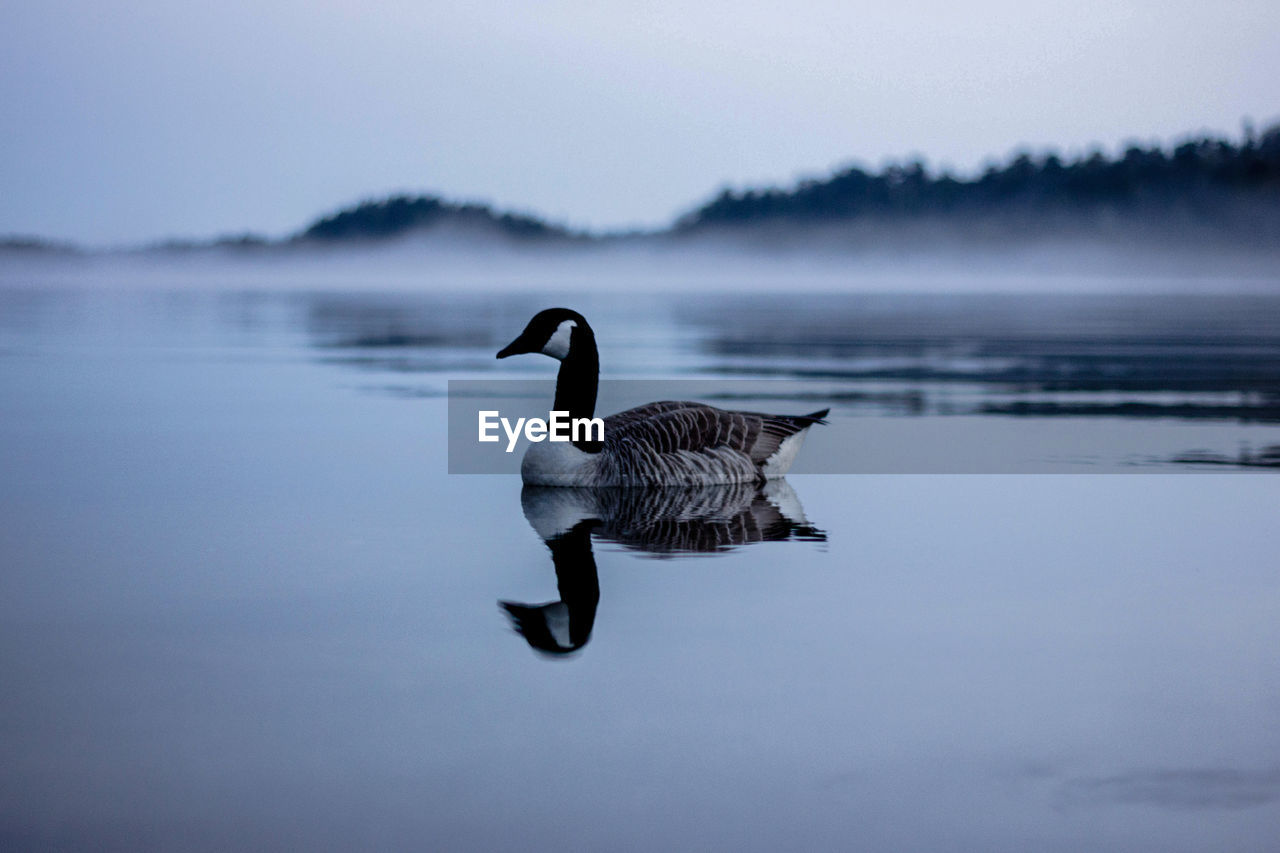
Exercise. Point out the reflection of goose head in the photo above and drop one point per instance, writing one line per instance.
(564, 626)
(704, 519)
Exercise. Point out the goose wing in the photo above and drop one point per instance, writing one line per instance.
(678, 441)
(673, 426)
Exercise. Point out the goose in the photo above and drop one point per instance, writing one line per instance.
(657, 522)
(669, 443)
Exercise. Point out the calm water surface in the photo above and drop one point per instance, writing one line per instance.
(243, 606)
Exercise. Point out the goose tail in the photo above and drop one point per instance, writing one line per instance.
(819, 417)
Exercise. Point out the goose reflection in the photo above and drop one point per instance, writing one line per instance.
(659, 522)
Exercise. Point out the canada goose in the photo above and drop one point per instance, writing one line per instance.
(658, 444)
(655, 521)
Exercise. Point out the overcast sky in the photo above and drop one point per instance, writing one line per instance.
(131, 121)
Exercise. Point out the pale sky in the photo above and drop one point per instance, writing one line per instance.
(126, 122)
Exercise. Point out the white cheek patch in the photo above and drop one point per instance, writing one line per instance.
(557, 619)
(558, 344)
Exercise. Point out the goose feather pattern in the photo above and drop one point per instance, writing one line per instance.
(685, 443)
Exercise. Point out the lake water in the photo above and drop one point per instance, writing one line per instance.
(243, 605)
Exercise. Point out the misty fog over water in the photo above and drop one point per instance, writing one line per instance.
(756, 264)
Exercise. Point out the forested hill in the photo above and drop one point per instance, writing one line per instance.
(392, 217)
(1203, 191)
(1207, 182)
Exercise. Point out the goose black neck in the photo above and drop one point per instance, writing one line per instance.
(579, 380)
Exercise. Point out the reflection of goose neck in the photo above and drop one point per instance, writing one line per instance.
(577, 580)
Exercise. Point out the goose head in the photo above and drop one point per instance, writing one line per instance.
(554, 332)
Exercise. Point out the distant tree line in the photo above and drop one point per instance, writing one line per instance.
(1200, 178)
(385, 218)
(1204, 186)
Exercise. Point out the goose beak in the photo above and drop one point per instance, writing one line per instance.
(517, 347)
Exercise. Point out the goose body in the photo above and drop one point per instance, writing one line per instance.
(668, 443)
